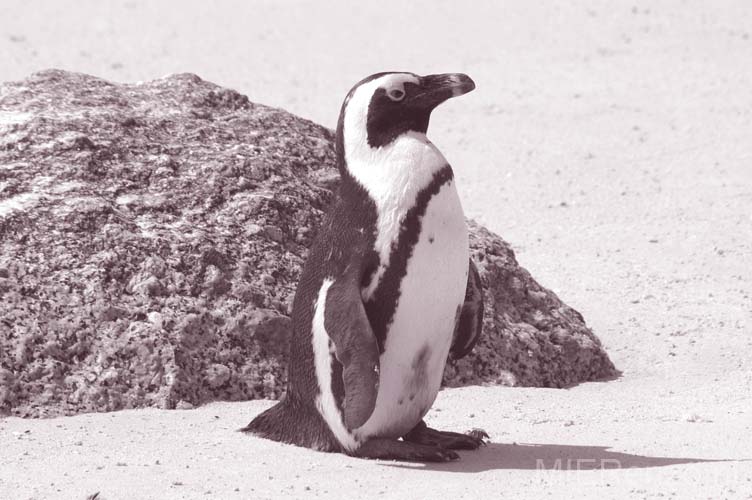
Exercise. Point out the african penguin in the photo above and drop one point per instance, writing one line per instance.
(388, 290)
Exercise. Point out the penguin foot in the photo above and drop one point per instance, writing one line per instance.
(479, 434)
(392, 449)
(422, 434)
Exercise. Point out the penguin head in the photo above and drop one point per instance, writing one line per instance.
(385, 106)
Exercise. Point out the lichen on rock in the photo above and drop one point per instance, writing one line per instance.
(151, 237)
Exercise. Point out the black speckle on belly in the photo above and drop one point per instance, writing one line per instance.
(421, 359)
(419, 375)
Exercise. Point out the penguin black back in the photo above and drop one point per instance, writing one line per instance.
(351, 216)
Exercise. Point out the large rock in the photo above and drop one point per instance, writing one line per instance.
(151, 236)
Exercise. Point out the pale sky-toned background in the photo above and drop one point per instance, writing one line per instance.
(609, 142)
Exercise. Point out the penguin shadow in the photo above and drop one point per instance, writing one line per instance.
(528, 456)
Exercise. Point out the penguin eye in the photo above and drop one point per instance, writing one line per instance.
(396, 94)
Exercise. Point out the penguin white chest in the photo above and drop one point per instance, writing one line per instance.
(420, 334)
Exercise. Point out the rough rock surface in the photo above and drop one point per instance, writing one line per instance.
(151, 236)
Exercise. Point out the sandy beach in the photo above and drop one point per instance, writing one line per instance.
(609, 144)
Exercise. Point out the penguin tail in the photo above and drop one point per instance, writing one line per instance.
(290, 423)
(270, 424)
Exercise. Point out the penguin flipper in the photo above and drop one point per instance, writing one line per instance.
(356, 350)
(470, 323)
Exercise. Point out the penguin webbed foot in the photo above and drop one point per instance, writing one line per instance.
(479, 434)
(422, 434)
(392, 449)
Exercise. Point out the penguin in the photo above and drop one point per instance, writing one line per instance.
(388, 291)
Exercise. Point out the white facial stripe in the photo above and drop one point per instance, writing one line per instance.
(323, 351)
(356, 109)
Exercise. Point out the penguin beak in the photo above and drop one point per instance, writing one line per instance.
(435, 89)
